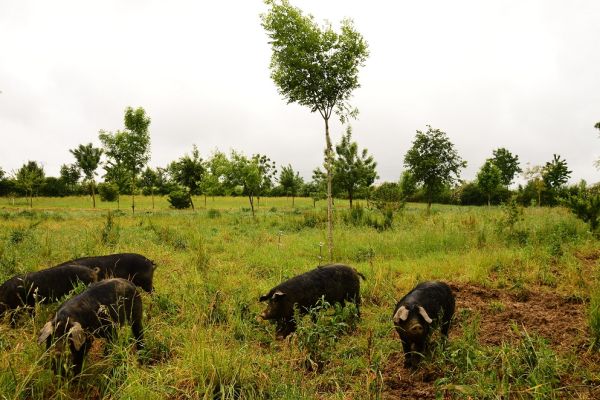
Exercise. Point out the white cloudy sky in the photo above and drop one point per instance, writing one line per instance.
(519, 74)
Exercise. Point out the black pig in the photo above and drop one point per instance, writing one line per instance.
(97, 312)
(429, 304)
(46, 285)
(130, 266)
(337, 283)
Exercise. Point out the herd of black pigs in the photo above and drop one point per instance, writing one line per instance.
(111, 299)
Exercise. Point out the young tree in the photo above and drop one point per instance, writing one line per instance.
(290, 181)
(353, 171)
(188, 172)
(315, 67)
(216, 170)
(87, 158)
(70, 175)
(534, 176)
(149, 182)
(433, 161)
(244, 172)
(489, 178)
(29, 178)
(556, 173)
(507, 164)
(268, 171)
(408, 184)
(129, 149)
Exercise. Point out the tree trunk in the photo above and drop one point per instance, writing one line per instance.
(258, 203)
(93, 194)
(350, 197)
(133, 195)
(192, 202)
(204, 201)
(489, 200)
(328, 166)
(250, 197)
(428, 203)
(31, 199)
(152, 194)
(539, 198)
(293, 201)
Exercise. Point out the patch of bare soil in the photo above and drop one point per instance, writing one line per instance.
(561, 320)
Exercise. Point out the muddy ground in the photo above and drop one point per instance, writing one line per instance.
(559, 319)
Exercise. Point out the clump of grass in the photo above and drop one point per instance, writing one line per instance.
(594, 317)
(110, 231)
(213, 213)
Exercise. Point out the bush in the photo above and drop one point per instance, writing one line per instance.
(388, 195)
(108, 191)
(586, 206)
(179, 199)
(594, 316)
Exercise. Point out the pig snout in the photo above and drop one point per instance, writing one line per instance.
(416, 329)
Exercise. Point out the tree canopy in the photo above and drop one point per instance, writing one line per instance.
(29, 178)
(556, 173)
(507, 164)
(433, 161)
(290, 181)
(87, 157)
(489, 178)
(188, 171)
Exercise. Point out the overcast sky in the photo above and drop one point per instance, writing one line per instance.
(519, 74)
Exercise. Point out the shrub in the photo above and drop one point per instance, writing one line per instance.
(179, 199)
(212, 213)
(318, 334)
(108, 191)
(594, 316)
(586, 206)
(110, 231)
(388, 195)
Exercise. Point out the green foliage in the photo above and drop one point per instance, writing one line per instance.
(317, 336)
(594, 316)
(212, 213)
(388, 195)
(127, 151)
(555, 173)
(108, 191)
(87, 158)
(110, 231)
(433, 161)
(507, 164)
(489, 179)
(29, 178)
(408, 184)
(179, 199)
(312, 65)
(290, 181)
(188, 172)
(352, 172)
(586, 206)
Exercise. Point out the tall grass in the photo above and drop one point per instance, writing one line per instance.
(203, 339)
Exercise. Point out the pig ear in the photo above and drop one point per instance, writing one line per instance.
(264, 297)
(401, 314)
(77, 335)
(277, 295)
(45, 332)
(97, 270)
(424, 315)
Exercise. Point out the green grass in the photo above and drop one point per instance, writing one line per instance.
(213, 263)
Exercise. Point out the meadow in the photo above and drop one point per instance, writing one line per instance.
(526, 281)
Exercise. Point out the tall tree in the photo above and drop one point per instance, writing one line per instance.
(87, 158)
(433, 161)
(489, 178)
(315, 67)
(556, 173)
(508, 165)
(130, 148)
(188, 172)
(290, 181)
(353, 171)
(29, 178)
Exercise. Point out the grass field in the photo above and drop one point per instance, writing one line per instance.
(526, 292)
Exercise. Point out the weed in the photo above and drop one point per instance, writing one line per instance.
(110, 231)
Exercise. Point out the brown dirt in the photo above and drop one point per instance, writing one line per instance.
(561, 320)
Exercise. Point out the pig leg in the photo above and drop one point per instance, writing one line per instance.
(136, 323)
(77, 356)
(407, 354)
